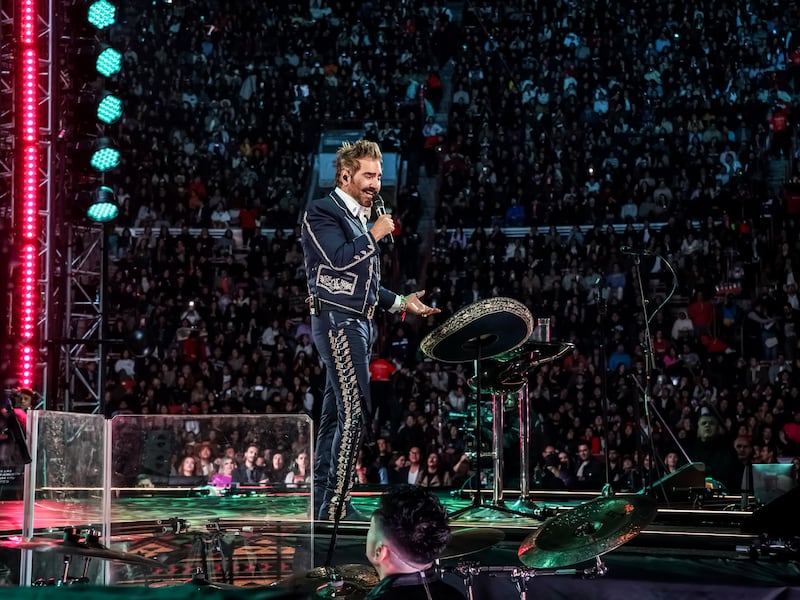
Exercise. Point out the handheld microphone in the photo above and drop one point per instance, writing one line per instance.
(380, 210)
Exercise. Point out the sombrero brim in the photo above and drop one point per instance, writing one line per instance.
(481, 330)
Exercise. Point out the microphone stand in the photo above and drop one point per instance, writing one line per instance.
(601, 316)
(645, 388)
(649, 354)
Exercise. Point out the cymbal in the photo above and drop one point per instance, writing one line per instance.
(591, 529)
(339, 581)
(470, 541)
(94, 550)
(533, 353)
(509, 371)
(489, 327)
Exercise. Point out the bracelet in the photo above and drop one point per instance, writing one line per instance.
(403, 308)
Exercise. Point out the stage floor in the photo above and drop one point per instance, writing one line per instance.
(269, 538)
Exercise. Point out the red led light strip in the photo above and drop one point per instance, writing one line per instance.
(26, 305)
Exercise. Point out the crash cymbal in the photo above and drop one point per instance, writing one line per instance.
(92, 550)
(591, 529)
(340, 581)
(469, 541)
(37, 545)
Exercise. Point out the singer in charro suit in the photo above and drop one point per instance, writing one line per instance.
(342, 260)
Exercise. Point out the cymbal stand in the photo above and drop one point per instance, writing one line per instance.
(524, 504)
(92, 538)
(645, 386)
(200, 576)
(65, 574)
(478, 502)
(225, 549)
(497, 448)
(71, 534)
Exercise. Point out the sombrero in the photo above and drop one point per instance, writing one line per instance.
(481, 330)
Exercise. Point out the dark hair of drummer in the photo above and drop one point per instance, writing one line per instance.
(409, 530)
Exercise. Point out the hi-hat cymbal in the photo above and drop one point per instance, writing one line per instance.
(591, 529)
(94, 550)
(469, 541)
(340, 581)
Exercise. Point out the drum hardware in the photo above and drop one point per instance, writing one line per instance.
(508, 373)
(215, 537)
(768, 547)
(477, 332)
(72, 545)
(521, 575)
(342, 581)
(543, 351)
(173, 526)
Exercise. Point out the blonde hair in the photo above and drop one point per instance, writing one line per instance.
(349, 155)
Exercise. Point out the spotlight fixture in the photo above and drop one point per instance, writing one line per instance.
(104, 206)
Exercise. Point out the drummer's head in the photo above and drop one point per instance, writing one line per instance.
(407, 532)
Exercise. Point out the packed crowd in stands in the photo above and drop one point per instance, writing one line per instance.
(592, 126)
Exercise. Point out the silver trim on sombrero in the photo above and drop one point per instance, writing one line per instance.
(468, 314)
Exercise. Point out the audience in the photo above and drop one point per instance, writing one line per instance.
(559, 143)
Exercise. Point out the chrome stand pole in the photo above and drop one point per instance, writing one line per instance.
(497, 448)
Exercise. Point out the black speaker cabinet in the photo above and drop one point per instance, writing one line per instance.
(779, 518)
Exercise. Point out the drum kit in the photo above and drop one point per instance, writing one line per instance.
(86, 544)
(576, 536)
(76, 543)
(498, 335)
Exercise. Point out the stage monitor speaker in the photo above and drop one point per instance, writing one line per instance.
(681, 484)
(777, 518)
(159, 445)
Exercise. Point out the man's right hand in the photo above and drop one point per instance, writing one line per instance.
(382, 227)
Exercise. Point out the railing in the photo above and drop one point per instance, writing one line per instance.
(510, 232)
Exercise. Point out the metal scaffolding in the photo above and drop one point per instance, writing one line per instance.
(47, 180)
(69, 321)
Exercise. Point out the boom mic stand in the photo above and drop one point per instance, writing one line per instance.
(649, 356)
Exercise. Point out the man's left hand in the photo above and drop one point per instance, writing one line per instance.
(416, 307)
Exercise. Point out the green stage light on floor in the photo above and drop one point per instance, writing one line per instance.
(104, 156)
(104, 207)
(109, 62)
(109, 110)
(102, 14)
